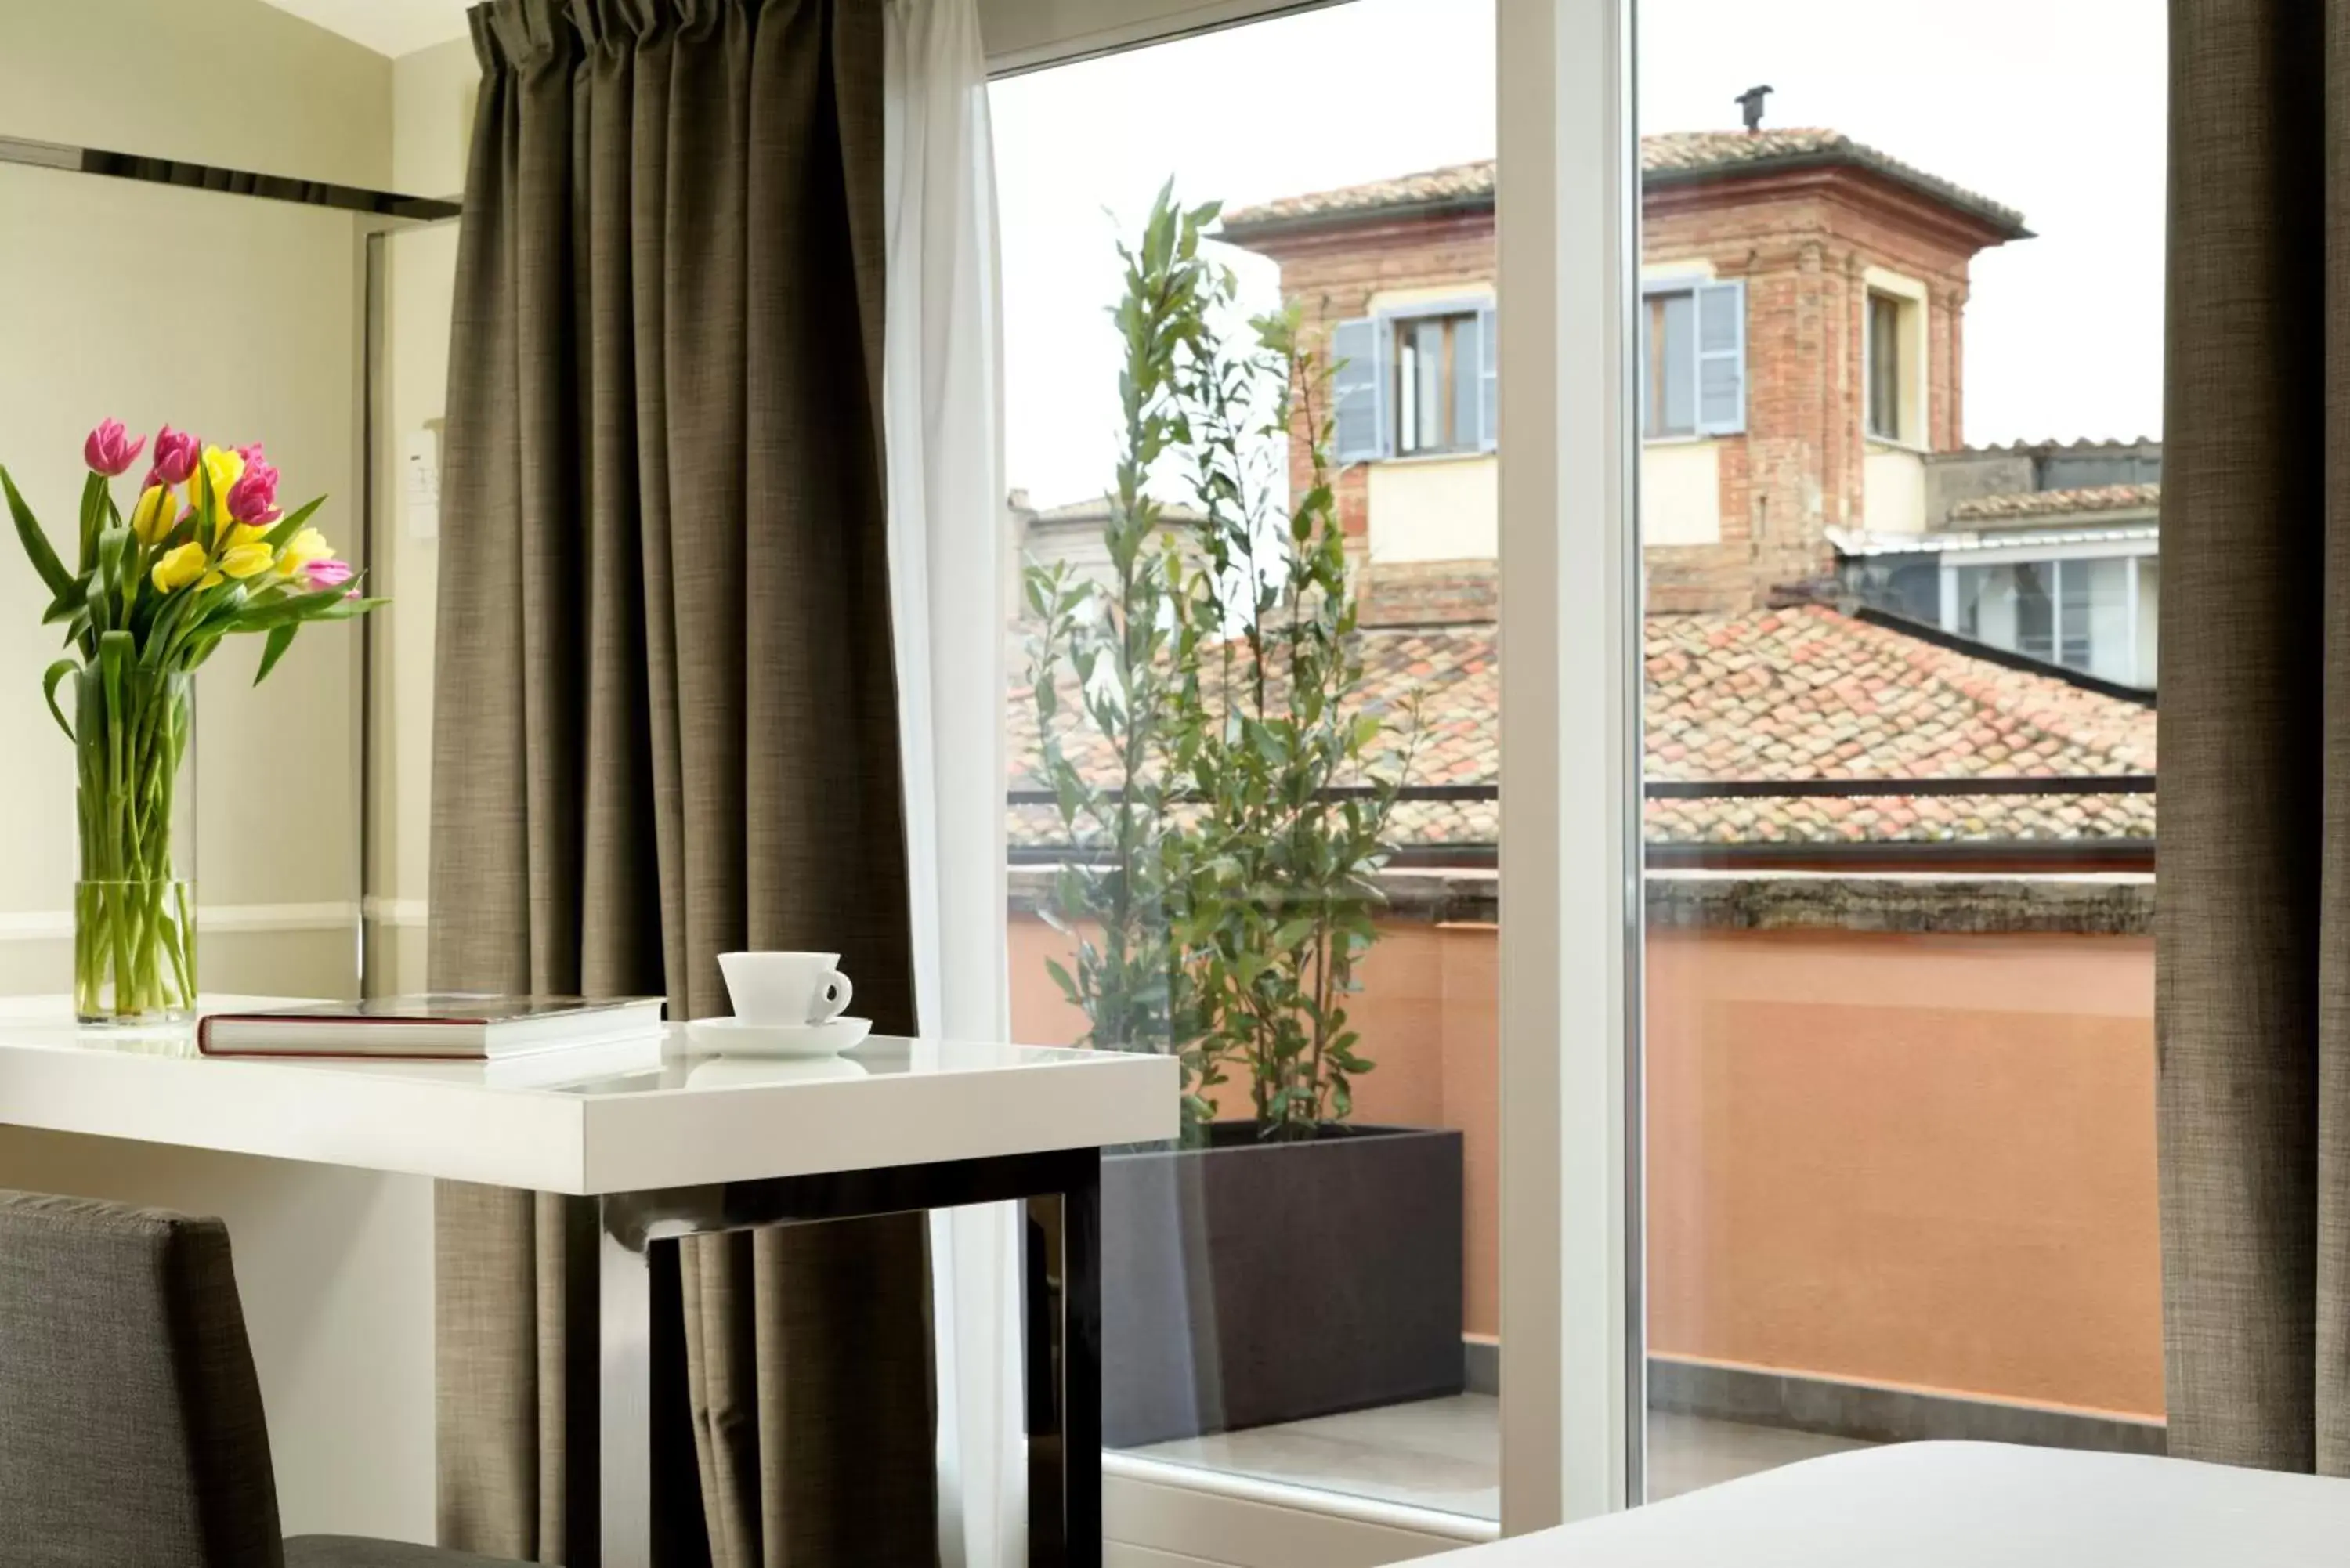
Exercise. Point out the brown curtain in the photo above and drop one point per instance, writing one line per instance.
(666, 727)
(2253, 931)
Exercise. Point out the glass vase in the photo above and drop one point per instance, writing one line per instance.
(135, 904)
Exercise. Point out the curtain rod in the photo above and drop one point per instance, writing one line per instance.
(228, 181)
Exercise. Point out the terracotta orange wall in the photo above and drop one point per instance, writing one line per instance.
(1909, 1159)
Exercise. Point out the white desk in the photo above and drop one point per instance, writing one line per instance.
(680, 1145)
(1962, 1505)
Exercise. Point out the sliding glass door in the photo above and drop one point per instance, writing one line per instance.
(1253, 721)
(1900, 579)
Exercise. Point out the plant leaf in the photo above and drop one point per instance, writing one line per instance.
(281, 638)
(37, 544)
(50, 677)
(291, 523)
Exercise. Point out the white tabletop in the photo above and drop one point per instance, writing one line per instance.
(1963, 1505)
(627, 1118)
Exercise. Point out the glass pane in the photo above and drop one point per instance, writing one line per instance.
(1304, 1290)
(1900, 1175)
(2035, 610)
(1466, 388)
(2104, 594)
(1427, 384)
(1675, 364)
(1885, 366)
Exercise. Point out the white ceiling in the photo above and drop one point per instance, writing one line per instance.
(387, 26)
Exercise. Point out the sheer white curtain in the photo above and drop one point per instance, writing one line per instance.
(942, 392)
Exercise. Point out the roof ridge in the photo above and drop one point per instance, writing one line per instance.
(1671, 155)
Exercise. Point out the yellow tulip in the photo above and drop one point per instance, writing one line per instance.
(209, 580)
(179, 567)
(223, 469)
(153, 516)
(239, 534)
(307, 549)
(242, 561)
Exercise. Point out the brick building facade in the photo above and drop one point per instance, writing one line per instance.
(1779, 268)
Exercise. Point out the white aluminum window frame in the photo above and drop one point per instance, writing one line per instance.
(1572, 1310)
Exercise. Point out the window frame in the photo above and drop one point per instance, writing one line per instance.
(1694, 285)
(2023, 553)
(1913, 390)
(1573, 1419)
(1388, 322)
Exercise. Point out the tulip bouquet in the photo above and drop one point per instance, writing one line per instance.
(205, 554)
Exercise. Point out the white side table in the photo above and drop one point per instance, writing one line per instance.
(674, 1148)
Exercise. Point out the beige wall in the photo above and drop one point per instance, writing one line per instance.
(434, 95)
(241, 319)
(244, 327)
(1917, 1160)
(1680, 493)
(237, 318)
(228, 82)
(1434, 509)
(1892, 490)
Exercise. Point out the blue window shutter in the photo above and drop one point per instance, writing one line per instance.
(1489, 382)
(1359, 386)
(1721, 357)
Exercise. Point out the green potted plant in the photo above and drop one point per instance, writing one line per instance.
(1287, 1262)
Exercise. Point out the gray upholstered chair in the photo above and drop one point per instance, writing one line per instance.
(130, 1426)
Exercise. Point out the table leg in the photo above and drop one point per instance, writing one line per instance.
(624, 1394)
(1063, 1294)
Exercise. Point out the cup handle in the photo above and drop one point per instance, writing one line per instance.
(833, 1000)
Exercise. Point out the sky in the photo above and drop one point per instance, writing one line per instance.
(2054, 109)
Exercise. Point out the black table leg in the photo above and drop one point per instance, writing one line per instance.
(1062, 1279)
(1061, 1290)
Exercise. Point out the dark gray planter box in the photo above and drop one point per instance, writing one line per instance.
(1249, 1282)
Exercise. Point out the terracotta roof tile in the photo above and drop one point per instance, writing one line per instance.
(1798, 693)
(1664, 158)
(2058, 502)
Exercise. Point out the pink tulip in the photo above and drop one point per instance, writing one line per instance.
(253, 499)
(326, 574)
(176, 452)
(108, 449)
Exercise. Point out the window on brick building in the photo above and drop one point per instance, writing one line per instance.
(1414, 383)
(1892, 355)
(1436, 384)
(1692, 360)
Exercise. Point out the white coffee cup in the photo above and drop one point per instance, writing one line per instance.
(785, 988)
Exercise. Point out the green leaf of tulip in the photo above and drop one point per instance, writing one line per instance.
(50, 677)
(291, 523)
(281, 638)
(37, 544)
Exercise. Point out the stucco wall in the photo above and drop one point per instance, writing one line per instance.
(1435, 509)
(1680, 493)
(1884, 1155)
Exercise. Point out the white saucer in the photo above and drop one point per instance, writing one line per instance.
(735, 1072)
(734, 1037)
